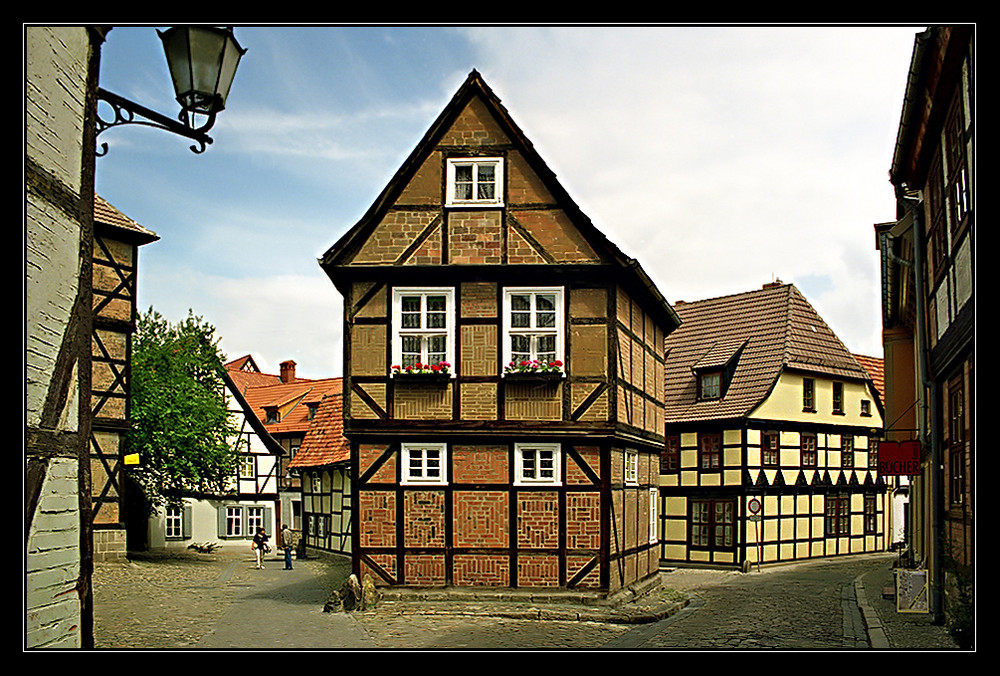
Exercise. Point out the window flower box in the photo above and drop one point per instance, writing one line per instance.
(534, 371)
(423, 373)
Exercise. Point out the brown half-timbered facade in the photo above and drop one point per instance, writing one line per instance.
(114, 274)
(928, 260)
(504, 370)
(323, 464)
(772, 436)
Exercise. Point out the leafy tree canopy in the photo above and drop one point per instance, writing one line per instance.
(180, 425)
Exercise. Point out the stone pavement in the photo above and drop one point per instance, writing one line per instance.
(220, 601)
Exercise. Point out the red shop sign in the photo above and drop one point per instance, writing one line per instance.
(899, 458)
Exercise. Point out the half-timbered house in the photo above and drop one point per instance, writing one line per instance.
(285, 404)
(771, 438)
(323, 464)
(114, 275)
(250, 500)
(504, 367)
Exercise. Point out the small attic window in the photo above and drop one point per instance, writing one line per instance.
(312, 410)
(271, 415)
(710, 385)
(474, 181)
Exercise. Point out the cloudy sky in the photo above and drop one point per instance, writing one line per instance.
(722, 158)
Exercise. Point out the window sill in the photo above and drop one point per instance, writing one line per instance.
(534, 376)
(421, 378)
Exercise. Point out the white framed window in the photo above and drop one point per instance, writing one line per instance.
(537, 464)
(248, 467)
(654, 498)
(234, 521)
(255, 519)
(533, 325)
(424, 464)
(474, 181)
(631, 468)
(174, 517)
(423, 327)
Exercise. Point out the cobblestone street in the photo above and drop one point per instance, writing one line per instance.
(222, 601)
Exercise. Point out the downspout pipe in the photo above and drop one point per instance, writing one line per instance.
(927, 395)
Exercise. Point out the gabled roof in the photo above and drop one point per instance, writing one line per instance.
(325, 443)
(475, 87)
(778, 330)
(125, 227)
(262, 391)
(875, 368)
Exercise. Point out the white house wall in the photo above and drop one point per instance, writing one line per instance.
(204, 525)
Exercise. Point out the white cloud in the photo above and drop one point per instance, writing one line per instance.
(274, 318)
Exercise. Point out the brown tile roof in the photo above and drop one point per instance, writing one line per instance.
(325, 443)
(262, 391)
(875, 367)
(777, 328)
(108, 215)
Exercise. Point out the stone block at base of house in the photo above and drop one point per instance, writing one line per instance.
(110, 545)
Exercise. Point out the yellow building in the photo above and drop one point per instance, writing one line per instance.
(772, 430)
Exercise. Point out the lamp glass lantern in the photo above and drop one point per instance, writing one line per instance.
(202, 62)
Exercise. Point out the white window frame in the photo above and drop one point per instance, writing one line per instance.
(631, 468)
(173, 517)
(234, 521)
(411, 452)
(654, 514)
(248, 466)
(533, 331)
(451, 197)
(529, 474)
(448, 332)
(255, 518)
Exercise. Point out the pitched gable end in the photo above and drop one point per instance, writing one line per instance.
(472, 192)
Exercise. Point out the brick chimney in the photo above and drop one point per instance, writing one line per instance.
(288, 371)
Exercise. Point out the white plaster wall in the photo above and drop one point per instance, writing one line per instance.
(52, 562)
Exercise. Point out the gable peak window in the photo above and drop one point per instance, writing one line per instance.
(423, 327)
(475, 181)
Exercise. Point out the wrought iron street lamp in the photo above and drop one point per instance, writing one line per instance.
(202, 61)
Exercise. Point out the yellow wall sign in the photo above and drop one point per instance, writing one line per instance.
(132, 459)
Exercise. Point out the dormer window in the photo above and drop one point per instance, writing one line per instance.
(710, 385)
(271, 415)
(475, 181)
(312, 410)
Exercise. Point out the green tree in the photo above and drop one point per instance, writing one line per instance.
(181, 428)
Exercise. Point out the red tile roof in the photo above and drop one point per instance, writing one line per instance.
(875, 367)
(777, 329)
(325, 443)
(263, 391)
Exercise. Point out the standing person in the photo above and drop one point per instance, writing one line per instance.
(287, 544)
(260, 547)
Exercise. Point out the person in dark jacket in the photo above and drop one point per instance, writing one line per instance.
(260, 547)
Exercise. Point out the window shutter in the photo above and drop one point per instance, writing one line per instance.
(221, 521)
(186, 522)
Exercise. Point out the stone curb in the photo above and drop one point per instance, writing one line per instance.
(877, 637)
